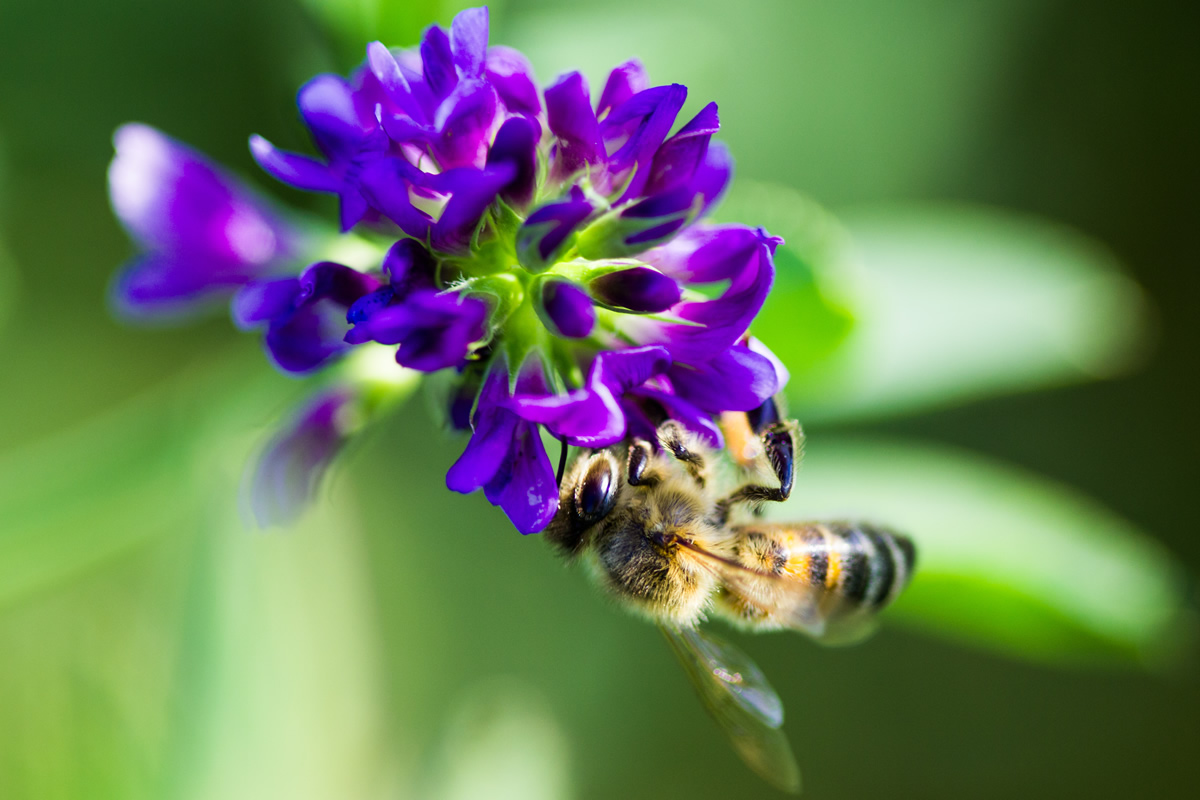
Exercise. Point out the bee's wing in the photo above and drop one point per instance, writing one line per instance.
(792, 603)
(735, 693)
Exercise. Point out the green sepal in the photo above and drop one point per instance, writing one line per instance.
(608, 236)
(504, 292)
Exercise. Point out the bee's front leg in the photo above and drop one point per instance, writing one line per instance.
(780, 443)
(637, 468)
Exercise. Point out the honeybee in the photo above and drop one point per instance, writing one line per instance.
(659, 533)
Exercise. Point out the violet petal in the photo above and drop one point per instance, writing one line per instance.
(291, 467)
(737, 380)
(391, 78)
(622, 370)
(677, 159)
(468, 41)
(566, 309)
(437, 62)
(207, 232)
(516, 143)
(588, 417)
(545, 232)
(593, 416)
(308, 338)
(524, 487)
(571, 119)
(174, 200)
(370, 304)
(640, 289)
(297, 171)
(473, 190)
(464, 122)
(493, 427)
(691, 416)
(647, 117)
(713, 175)
(511, 74)
(623, 82)
(160, 288)
(721, 322)
(385, 184)
(409, 266)
(260, 302)
(327, 105)
(707, 254)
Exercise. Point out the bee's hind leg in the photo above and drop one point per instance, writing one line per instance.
(780, 441)
(673, 438)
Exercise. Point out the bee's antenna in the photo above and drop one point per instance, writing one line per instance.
(562, 460)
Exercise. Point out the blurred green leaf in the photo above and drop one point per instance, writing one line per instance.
(502, 742)
(110, 484)
(85, 683)
(142, 471)
(807, 315)
(956, 303)
(1006, 560)
(826, 98)
(279, 687)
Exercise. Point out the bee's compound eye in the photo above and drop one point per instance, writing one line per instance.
(597, 490)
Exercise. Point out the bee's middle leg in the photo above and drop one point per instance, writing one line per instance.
(780, 443)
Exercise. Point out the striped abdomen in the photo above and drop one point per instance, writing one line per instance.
(832, 573)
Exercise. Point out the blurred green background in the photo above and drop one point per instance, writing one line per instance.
(1000, 326)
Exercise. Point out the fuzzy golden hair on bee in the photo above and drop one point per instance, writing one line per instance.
(631, 549)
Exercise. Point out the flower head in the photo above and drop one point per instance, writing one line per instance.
(547, 248)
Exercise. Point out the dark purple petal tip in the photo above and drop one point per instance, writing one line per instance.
(545, 234)
(566, 309)
(516, 144)
(640, 289)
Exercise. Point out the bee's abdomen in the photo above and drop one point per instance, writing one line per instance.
(848, 571)
(866, 566)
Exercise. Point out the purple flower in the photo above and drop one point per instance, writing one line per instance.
(434, 329)
(740, 255)
(305, 317)
(686, 176)
(573, 123)
(592, 416)
(648, 406)
(642, 290)
(565, 308)
(291, 468)
(341, 119)
(443, 97)
(533, 238)
(739, 379)
(547, 232)
(505, 457)
(204, 233)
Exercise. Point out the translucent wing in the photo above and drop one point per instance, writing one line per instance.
(787, 601)
(736, 695)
